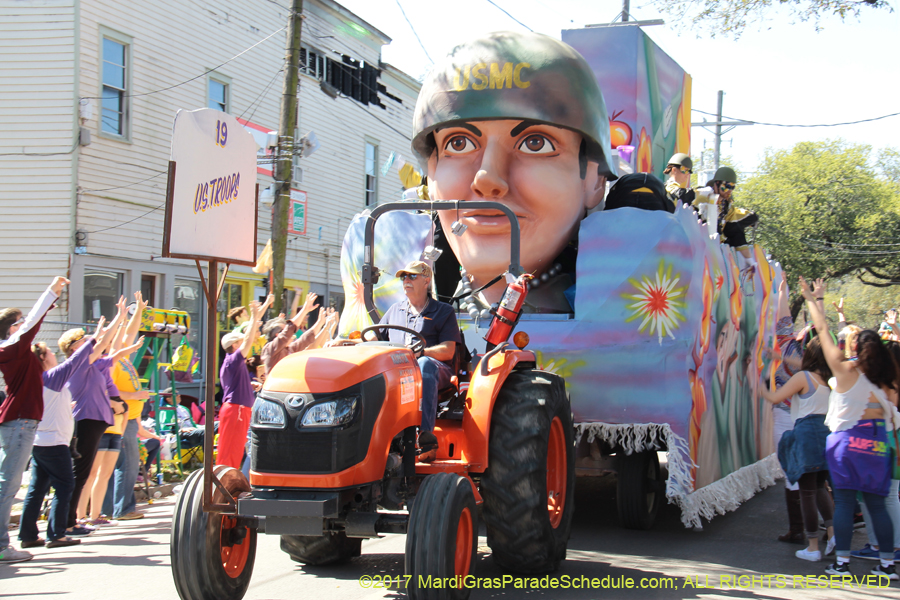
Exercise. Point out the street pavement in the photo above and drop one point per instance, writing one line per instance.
(735, 556)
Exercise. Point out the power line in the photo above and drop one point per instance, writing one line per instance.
(198, 76)
(510, 16)
(127, 222)
(69, 151)
(119, 187)
(266, 89)
(415, 33)
(702, 112)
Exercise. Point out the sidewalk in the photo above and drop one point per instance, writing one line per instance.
(140, 492)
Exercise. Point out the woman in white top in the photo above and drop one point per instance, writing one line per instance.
(802, 450)
(50, 455)
(859, 417)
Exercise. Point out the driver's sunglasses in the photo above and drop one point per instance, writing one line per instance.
(727, 186)
(410, 276)
(685, 171)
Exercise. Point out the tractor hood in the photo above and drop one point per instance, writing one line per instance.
(334, 369)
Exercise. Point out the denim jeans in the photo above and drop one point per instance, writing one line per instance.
(844, 507)
(435, 376)
(16, 441)
(52, 466)
(892, 505)
(120, 498)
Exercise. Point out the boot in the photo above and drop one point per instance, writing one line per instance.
(795, 534)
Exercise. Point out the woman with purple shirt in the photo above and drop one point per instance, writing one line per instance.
(93, 411)
(237, 393)
(51, 455)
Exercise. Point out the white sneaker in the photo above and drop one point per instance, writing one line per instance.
(829, 547)
(812, 556)
(10, 555)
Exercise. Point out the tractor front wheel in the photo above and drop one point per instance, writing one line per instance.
(442, 537)
(530, 481)
(212, 554)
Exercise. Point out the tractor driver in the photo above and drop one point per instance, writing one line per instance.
(516, 118)
(436, 321)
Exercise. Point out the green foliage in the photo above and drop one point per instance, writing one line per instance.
(731, 17)
(864, 304)
(826, 211)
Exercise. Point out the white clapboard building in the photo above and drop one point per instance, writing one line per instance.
(88, 93)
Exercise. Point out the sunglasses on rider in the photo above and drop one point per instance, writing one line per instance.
(726, 186)
(410, 276)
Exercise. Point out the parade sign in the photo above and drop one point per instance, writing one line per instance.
(211, 201)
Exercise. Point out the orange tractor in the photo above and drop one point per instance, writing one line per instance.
(333, 461)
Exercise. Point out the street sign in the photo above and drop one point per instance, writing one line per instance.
(297, 213)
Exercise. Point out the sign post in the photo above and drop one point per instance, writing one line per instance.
(211, 215)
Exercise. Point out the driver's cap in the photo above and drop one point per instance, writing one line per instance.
(416, 267)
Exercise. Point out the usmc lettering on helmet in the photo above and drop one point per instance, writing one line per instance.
(493, 76)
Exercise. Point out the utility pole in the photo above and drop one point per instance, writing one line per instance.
(719, 123)
(718, 147)
(626, 8)
(285, 154)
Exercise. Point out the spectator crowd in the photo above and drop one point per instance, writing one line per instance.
(78, 422)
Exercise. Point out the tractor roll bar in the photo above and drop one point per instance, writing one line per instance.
(369, 274)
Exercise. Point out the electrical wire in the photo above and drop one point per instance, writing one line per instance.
(130, 221)
(261, 94)
(702, 112)
(415, 33)
(69, 151)
(119, 187)
(165, 89)
(510, 16)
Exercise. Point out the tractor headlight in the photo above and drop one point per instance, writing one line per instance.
(331, 413)
(267, 414)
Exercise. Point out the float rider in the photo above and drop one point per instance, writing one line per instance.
(732, 221)
(678, 186)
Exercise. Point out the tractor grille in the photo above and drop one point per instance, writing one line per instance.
(308, 450)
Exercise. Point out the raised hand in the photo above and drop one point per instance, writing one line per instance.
(141, 303)
(805, 290)
(310, 301)
(99, 330)
(838, 306)
(819, 288)
(58, 284)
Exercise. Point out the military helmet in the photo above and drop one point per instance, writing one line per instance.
(511, 75)
(682, 160)
(725, 174)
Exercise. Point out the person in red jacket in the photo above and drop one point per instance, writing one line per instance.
(23, 407)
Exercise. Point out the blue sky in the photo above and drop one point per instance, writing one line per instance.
(776, 72)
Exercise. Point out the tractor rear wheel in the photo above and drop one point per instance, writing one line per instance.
(529, 485)
(442, 536)
(212, 554)
(317, 551)
(639, 489)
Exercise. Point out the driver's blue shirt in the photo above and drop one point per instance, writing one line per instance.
(437, 323)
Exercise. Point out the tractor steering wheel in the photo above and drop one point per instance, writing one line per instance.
(417, 346)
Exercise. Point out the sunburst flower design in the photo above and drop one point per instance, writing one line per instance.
(560, 366)
(658, 302)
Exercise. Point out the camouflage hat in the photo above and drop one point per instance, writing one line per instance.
(725, 174)
(510, 75)
(682, 160)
